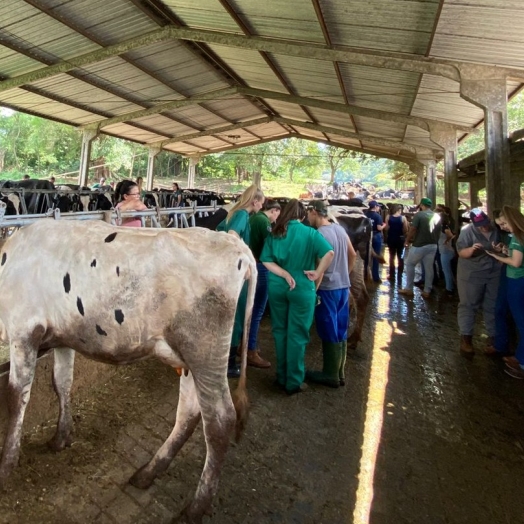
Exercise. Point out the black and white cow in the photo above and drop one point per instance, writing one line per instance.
(35, 202)
(359, 229)
(115, 295)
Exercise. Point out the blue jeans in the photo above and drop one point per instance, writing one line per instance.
(259, 305)
(376, 244)
(516, 306)
(426, 255)
(501, 313)
(446, 257)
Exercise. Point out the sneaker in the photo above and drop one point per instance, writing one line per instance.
(515, 373)
(406, 292)
(255, 360)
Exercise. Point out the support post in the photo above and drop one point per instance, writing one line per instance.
(486, 88)
(418, 169)
(88, 136)
(446, 137)
(153, 152)
(431, 179)
(191, 174)
(474, 187)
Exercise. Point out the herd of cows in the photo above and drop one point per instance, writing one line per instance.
(122, 295)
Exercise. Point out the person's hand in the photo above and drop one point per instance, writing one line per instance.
(290, 281)
(477, 246)
(312, 275)
(497, 247)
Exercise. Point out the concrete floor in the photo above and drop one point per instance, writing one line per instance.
(418, 435)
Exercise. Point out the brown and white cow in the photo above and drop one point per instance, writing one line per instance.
(119, 295)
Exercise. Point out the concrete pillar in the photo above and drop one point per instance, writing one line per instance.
(431, 179)
(88, 136)
(418, 169)
(153, 152)
(446, 137)
(475, 186)
(191, 174)
(486, 88)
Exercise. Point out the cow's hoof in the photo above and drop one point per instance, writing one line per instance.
(186, 518)
(57, 444)
(140, 480)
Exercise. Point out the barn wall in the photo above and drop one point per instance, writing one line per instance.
(43, 405)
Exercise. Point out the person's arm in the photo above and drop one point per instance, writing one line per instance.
(382, 225)
(352, 256)
(322, 266)
(405, 226)
(280, 272)
(468, 252)
(412, 231)
(515, 260)
(133, 205)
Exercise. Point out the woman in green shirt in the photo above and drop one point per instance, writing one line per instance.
(237, 223)
(291, 253)
(514, 221)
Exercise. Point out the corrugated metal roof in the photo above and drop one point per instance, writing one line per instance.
(307, 88)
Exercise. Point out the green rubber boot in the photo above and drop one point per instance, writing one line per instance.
(329, 376)
(343, 354)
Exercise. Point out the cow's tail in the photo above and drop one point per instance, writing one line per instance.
(240, 398)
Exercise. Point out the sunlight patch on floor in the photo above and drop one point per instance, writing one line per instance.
(374, 414)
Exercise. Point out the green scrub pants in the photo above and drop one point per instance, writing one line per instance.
(291, 318)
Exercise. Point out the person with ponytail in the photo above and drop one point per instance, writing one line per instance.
(296, 256)
(237, 223)
(514, 223)
(128, 195)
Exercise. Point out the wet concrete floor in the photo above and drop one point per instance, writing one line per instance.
(418, 435)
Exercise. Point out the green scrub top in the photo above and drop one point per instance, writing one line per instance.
(297, 252)
(515, 272)
(260, 228)
(239, 223)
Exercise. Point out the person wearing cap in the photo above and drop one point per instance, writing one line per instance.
(422, 241)
(332, 309)
(260, 226)
(295, 256)
(477, 278)
(376, 242)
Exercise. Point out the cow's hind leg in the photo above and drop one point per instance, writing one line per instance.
(64, 364)
(187, 418)
(21, 374)
(218, 416)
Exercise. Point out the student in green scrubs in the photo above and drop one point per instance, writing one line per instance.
(237, 223)
(291, 253)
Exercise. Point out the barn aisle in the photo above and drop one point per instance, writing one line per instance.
(418, 435)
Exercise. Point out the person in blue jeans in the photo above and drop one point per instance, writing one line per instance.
(515, 284)
(446, 252)
(497, 346)
(260, 224)
(236, 223)
(376, 242)
(423, 234)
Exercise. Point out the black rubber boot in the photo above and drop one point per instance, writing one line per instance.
(329, 376)
(233, 369)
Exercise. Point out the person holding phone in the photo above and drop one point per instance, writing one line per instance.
(514, 222)
(477, 278)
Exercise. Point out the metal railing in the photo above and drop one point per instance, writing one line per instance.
(187, 216)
